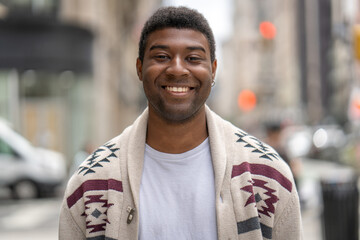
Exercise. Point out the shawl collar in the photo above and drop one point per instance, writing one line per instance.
(220, 154)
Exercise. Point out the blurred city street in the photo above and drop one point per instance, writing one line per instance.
(288, 74)
(29, 219)
(312, 224)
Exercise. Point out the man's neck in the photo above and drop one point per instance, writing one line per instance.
(176, 137)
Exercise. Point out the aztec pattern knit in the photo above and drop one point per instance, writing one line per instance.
(255, 193)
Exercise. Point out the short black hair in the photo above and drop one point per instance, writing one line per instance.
(176, 17)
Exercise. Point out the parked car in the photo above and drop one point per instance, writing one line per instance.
(28, 171)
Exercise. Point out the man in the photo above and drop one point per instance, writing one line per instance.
(180, 171)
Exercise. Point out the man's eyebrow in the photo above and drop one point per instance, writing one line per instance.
(158, 46)
(197, 48)
(167, 47)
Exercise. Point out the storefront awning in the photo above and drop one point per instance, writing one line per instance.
(44, 45)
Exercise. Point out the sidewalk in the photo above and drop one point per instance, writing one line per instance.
(312, 224)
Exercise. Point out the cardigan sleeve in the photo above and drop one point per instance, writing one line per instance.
(289, 224)
(68, 228)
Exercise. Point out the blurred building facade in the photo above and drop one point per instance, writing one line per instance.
(303, 74)
(84, 89)
(117, 98)
(67, 77)
(326, 58)
(266, 67)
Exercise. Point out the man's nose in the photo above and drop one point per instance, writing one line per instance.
(177, 67)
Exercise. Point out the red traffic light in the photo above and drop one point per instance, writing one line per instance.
(267, 30)
(247, 100)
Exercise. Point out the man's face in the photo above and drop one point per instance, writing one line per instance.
(176, 73)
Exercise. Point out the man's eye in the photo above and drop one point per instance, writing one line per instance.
(161, 57)
(194, 59)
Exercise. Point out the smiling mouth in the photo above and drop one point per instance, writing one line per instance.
(178, 89)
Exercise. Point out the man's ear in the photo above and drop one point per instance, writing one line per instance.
(213, 69)
(139, 68)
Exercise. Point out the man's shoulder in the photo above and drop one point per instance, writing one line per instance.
(99, 172)
(106, 161)
(255, 147)
(100, 164)
(261, 180)
(87, 195)
(252, 155)
(245, 146)
(101, 158)
(258, 153)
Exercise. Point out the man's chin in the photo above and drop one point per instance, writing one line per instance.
(178, 114)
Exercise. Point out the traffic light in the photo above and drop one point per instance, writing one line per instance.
(267, 30)
(246, 100)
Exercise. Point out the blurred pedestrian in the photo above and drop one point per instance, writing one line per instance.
(274, 138)
(180, 171)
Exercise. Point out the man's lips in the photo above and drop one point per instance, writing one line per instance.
(179, 90)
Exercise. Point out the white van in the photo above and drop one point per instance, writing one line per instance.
(27, 171)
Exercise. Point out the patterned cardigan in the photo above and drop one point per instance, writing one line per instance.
(255, 193)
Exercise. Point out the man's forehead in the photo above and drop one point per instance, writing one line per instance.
(189, 35)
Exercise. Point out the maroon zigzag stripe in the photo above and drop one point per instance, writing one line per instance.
(91, 185)
(264, 170)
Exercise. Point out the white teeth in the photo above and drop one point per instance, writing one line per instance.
(178, 89)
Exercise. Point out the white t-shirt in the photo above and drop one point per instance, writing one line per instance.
(177, 195)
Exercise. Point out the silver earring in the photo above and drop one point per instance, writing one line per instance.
(213, 83)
